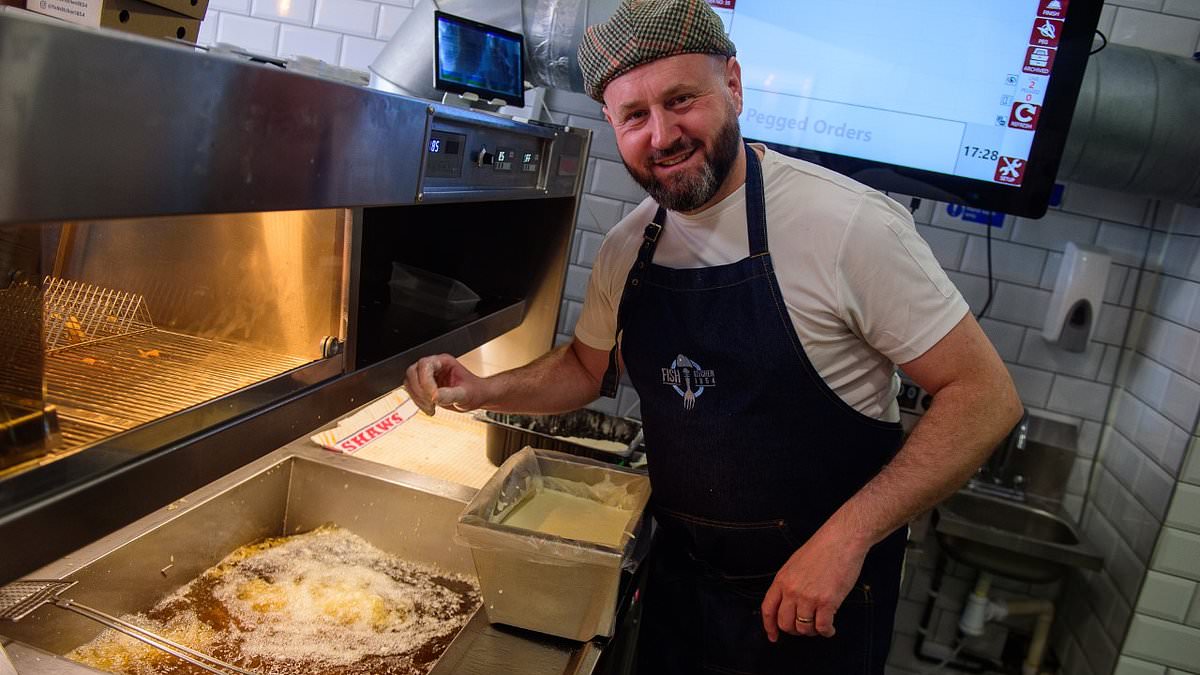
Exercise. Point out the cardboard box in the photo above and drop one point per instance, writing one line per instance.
(149, 20)
(82, 12)
(192, 8)
(131, 16)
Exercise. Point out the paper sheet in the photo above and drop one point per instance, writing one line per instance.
(370, 424)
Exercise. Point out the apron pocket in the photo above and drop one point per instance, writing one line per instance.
(733, 641)
(733, 551)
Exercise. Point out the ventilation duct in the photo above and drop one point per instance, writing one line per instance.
(1135, 126)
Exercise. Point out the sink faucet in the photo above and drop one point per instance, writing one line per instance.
(995, 476)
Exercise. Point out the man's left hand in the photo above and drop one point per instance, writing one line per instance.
(811, 585)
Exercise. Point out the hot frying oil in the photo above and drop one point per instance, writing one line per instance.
(318, 603)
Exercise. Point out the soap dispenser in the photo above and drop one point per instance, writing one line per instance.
(1078, 296)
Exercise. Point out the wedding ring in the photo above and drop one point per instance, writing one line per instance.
(799, 620)
(458, 406)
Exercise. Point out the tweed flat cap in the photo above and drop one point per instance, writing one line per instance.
(641, 31)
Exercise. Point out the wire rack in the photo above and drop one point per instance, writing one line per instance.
(21, 342)
(78, 313)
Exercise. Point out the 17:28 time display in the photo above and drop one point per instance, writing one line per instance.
(980, 153)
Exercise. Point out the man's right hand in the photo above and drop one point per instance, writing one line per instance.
(564, 379)
(442, 381)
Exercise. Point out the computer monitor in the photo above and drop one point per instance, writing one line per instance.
(965, 101)
(475, 58)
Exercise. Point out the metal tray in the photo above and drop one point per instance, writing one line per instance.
(507, 434)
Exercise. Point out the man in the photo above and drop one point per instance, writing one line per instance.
(766, 372)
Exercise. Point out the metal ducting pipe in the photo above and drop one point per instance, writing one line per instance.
(1135, 127)
(552, 29)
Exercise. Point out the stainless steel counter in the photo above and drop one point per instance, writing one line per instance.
(399, 511)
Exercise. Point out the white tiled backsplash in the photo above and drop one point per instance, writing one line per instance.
(348, 33)
(1140, 440)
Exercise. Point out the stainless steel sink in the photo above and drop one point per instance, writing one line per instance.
(1020, 540)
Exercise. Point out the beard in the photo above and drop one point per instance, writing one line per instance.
(692, 189)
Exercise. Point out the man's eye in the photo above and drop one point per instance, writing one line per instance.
(680, 100)
(634, 116)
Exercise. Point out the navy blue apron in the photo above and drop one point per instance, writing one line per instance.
(750, 452)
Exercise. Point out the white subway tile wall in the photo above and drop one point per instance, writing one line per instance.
(315, 44)
(289, 11)
(255, 35)
(347, 33)
(1157, 32)
(390, 18)
(358, 52)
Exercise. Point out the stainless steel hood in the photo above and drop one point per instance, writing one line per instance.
(99, 124)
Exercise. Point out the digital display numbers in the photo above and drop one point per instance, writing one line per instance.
(504, 159)
(529, 162)
(443, 157)
(439, 145)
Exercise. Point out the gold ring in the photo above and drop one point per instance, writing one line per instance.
(799, 620)
(458, 406)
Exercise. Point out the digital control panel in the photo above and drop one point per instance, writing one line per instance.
(464, 156)
(444, 156)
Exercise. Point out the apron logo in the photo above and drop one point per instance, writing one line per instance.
(688, 379)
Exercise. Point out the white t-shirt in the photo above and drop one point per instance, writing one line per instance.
(863, 290)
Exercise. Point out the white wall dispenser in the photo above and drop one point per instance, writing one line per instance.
(1078, 297)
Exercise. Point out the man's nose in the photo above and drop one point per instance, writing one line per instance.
(664, 129)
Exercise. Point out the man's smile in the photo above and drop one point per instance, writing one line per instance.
(668, 164)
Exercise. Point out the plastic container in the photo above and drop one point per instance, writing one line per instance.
(507, 434)
(430, 293)
(542, 582)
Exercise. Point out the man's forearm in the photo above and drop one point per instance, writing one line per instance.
(945, 448)
(556, 382)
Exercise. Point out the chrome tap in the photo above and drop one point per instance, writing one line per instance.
(995, 476)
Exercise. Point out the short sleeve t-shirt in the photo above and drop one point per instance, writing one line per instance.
(862, 288)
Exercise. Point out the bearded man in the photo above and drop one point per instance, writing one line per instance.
(760, 305)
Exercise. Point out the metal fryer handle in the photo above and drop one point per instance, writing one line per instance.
(198, 659)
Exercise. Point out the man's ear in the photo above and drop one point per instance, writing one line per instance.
(607, 117)
(733, 80)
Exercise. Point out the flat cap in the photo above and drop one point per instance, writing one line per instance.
(641, 31)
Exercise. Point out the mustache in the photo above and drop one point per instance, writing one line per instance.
(678, 147)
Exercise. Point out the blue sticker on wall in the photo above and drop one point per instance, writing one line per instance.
(1056, 194)
(966, 214)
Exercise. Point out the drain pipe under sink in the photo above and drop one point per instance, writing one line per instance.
(980, 610)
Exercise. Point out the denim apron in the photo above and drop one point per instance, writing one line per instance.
(750, 452)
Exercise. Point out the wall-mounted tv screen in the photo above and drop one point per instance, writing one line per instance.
(965, 101)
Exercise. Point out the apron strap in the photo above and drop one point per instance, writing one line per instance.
(756, 204)
(633, 283)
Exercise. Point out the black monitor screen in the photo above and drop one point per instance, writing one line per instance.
(962, 100)
(480, 59)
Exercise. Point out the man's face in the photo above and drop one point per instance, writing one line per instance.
(676, 126)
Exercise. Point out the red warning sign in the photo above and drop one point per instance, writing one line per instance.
(1024, 116)
(1010, 170)
(1046, 33)
(1039, 60)
(1053, 9)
